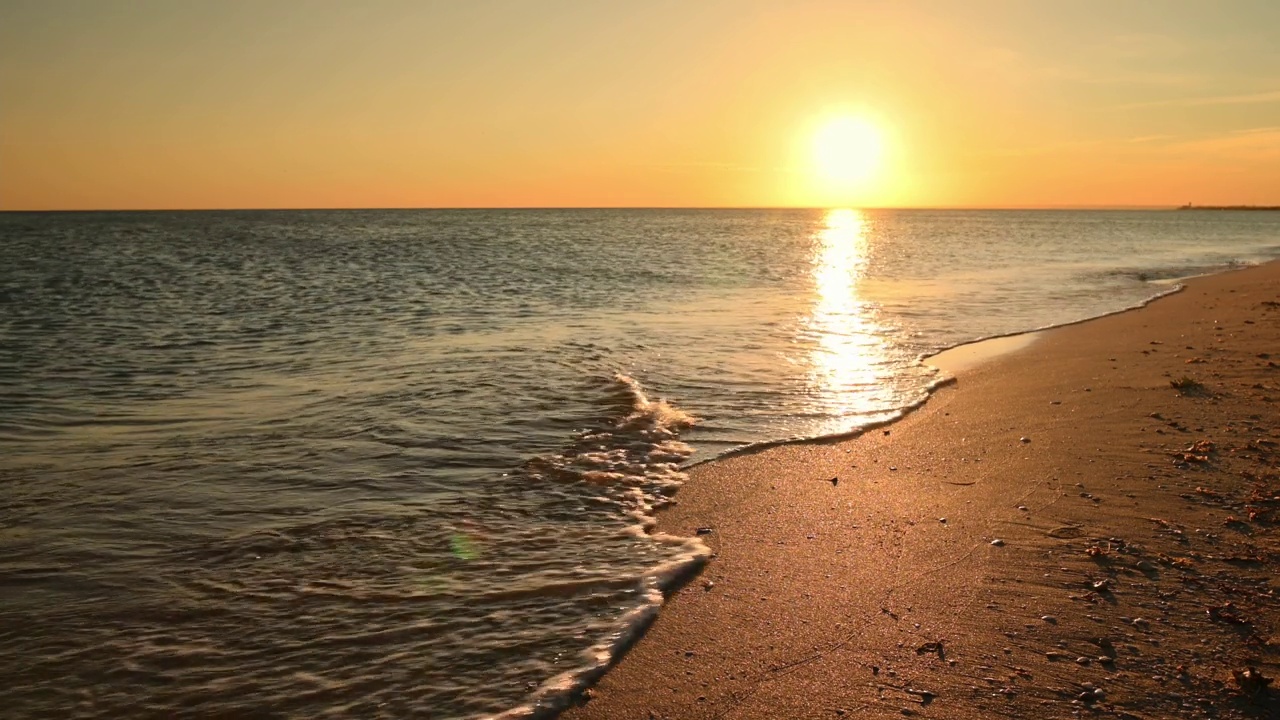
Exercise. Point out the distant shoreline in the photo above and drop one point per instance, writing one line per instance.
(1189, 206)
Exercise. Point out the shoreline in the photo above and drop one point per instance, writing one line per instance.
(788, 600)
(985, 349)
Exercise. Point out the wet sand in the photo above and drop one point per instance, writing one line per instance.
(1061, 533)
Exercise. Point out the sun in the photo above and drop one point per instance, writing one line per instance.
(847, 151)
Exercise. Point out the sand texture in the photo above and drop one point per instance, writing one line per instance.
(1061, 533)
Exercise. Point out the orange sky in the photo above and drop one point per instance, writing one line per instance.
(112, 104)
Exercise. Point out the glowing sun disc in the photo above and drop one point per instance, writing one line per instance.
(847, 150)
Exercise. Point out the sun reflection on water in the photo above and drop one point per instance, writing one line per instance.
(848, 353)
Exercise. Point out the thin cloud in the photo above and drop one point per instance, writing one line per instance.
(1251, 131)
(1253, 144)
(1244, 99)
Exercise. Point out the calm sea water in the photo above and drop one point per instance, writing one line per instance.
(400, 464)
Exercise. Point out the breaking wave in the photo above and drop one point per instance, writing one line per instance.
(637, 460)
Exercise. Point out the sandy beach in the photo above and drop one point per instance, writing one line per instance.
(1084, 526)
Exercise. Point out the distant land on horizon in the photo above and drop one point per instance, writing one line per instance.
(1189, 206)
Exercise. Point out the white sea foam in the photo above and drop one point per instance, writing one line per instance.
(639, 459)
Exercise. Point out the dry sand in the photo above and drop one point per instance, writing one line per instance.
(1137, 529)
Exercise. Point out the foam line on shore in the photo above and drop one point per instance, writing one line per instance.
(558, 693)
(752, 448)
(1176, 285)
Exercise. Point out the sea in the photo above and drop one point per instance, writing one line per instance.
(405, 463)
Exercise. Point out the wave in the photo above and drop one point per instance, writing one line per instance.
(1181, 271)
(555, 695)
(656, 413)
(637, 459)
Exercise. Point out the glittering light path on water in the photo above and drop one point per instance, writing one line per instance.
(849, 356)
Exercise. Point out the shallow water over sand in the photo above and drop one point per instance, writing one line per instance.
(397, 464)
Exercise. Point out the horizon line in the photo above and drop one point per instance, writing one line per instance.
(625, 207)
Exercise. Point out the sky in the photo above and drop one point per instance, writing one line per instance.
(115, 104)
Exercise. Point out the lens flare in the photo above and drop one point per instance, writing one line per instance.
(462, 547)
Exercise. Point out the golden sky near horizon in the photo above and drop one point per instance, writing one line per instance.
(404, 103)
